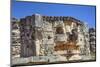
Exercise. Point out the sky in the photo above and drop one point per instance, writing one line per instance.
(81, 12)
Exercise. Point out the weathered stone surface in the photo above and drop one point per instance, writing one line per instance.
(51, 39)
